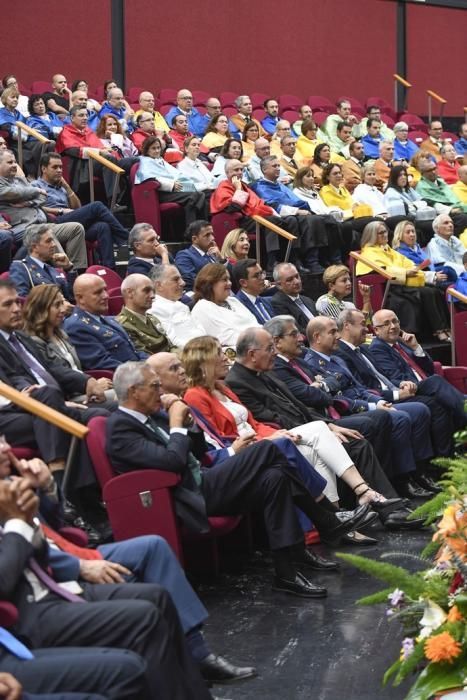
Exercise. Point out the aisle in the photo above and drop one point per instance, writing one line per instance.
(307, 650)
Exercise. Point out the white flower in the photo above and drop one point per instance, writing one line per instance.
(433, 617)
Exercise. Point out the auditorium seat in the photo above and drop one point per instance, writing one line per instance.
(449, 136)
(41, 86)
(200, 97)
(414, 122)
(320, 117)
(227, 99)
(417, 136)
(115, 301)
(388, 120)
(168, 96)
(110, 277)
(167, 218)
(321, 104)
(287, 101)
(291, 115)
(133, 94)
(222, 223)
(259, 114)
(258, 99)
(141, 503)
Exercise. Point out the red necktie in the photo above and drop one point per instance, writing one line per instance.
(331, 411)
(67, 546)
(412, 364)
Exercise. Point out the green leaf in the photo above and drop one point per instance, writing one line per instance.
(374, 598)
(412, 584)
(434, 678)
(391, 671)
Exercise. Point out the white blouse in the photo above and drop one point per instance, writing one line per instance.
(224, 322)
(197, 172)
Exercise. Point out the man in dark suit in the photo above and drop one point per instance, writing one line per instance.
(270, 400)
(137, 617)
(202, 251)
(101, 343)
(40, 264)
(357, 356)
(409, 432)
(148, 250)
(400, 357)
(289, 300)
(258, 477)
(249, 277)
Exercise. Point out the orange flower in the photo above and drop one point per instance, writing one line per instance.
(454, 614)
(442, 647)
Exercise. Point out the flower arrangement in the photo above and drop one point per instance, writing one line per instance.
(432, 603)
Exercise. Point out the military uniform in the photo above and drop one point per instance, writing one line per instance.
(146, 332)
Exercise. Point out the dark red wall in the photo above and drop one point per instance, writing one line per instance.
(327, 47)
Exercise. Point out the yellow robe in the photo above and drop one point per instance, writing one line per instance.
(394, 263)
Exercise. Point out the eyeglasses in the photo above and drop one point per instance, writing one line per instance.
(387, 324)
(259, 275)
(292, 334)
(381, 232)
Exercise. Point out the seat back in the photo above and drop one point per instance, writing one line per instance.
(222, 223)
(288, 101)
(145, 201)
(110, 277)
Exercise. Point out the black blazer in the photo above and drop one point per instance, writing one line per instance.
(269, 399)
(19, 376)
(132, 445)
(361, 370)
(309, 395)
(283, 304)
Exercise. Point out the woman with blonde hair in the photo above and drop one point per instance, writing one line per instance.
(339, 285)
(236, 245)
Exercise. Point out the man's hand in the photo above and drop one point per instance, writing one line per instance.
(412, 273)
(28, 390)
(101, 571)
(303, 212)
(236, 182)
(241, 442)
(4, 225)
(10, 688)
(94, 390)
(410, 340)
(385, 406)
(405, 393)
(178, 186)
(214, 252)
(61, 260)
(365, 290)
(283, 433)
(409, 386)
(18, 500)
(345, 434)
(34, 470)
(168, 399)
(179, 414)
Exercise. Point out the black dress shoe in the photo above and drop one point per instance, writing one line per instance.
(216, 669)
(299, 586)
(412, 490)
(368, 519)
(314, 561)
(348, 521)
(358, 541)
(427, 483)
(398, 520)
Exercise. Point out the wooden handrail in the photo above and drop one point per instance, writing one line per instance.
(458, 295)
(32, 132)
(402, 80)
(273, 227)
(436, 96)
(371, 264)
(106, 163)
(42, 411)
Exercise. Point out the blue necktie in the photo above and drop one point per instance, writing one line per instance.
(262, 309)
(303, 308)
(164, 437)
(31, 363)
(14, 646)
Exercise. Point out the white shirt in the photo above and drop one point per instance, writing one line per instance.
(177, 321)
(365, 194)
(222, 322)
(142, 418)
(197, 172)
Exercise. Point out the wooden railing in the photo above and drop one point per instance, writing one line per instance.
(261, 221)
(399, 80)
(21, 126)
(434, 96)
(94, 156)
(375, 268)
(452, 313)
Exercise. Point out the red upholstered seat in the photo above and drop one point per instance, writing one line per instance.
(227, 99)
(134, 93)
(321, 104)
(164, 218)
(168, 96)
(414, 122)
(111, 278)
(258, 99)
(222, 223)
(287, 101)
(200, 97)
(290, 115)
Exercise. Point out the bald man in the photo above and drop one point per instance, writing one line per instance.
(185, 106)
(147, 103)
(170, 371)
(101, 343)
(58, 101)
(145, 330)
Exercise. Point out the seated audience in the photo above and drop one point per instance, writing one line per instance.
(173, 186)
(372, 138)
(282, 129)
(116, 105)
(322, 156)
(413, 170)
(144, 329)
(343, 139)
(234, 484)
(46, 123)
(100, 342)
(306, 188)
(402, 199)
(193, 168)
(434, 141)
(329, 126)
(335, 196)
(148, 250)
(201, 251)
(244, 115)
(147, 102)
(40, 265)
(10, 81)
(23, 202)
(236, 246)
(419, 305)
(307, 142)
(367, 193)
(460, 187)
(232, 149)
(79, 98)
(58, 100)
(448, 166)
(404, 148)
(305, 113)
(174, 316)
(445, 248)
(252, 171)
(144, 128)
(373, 112)
(109, 130)
(352, 166)
(221, 314)
(110, 85)
(249, 280)
(185, 106)
(384, 163)
(461, 144)
(99, 223)
(288, 144)
(9, 115)
(405, 242)
(270, 121)
(217, 133)
(179, 131)
(289, 300)
(44, 312)
(336, 279)
(439, 195)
